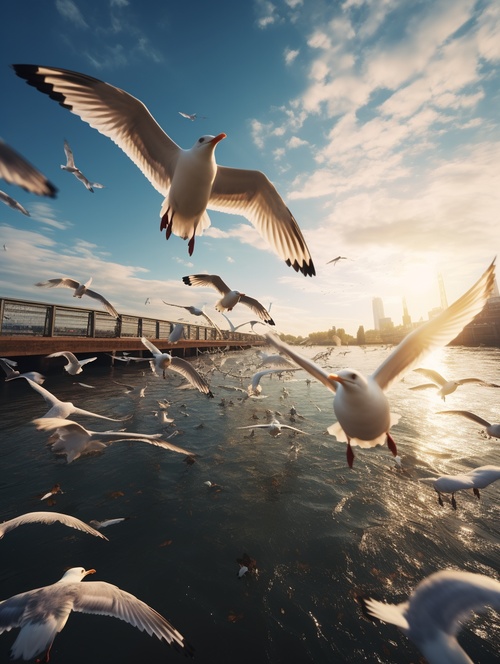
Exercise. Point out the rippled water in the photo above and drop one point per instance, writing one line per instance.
(320, 532)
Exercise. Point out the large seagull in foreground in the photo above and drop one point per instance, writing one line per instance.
(190, 180)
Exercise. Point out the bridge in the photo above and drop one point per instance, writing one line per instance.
(37, 328)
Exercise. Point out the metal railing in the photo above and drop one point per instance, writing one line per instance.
(26, 318)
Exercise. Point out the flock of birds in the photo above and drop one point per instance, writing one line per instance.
(433, 613)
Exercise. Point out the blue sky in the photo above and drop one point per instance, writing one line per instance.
(376, 120)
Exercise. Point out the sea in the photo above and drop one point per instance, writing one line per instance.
(318, 533)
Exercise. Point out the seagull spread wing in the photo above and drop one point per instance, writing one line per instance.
(15, 169)
(207, 280)
(48, 518)
(107, 305)
(114, 113)
(251, 194)
(189, 372)
(12, 203)
(257, 308)
(437, 332)
(70, 160)
(150, 346)
(56, 283)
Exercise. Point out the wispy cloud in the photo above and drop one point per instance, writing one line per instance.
(45, 214)
(290, 55)
(69, 10)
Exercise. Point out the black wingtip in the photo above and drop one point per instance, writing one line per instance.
(361, 600)
(307, 269)
(187, 280)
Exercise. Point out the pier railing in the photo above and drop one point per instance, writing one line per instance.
(38, 319)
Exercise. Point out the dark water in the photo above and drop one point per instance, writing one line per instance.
(319, 532)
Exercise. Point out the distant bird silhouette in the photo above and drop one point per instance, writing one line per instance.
(337, 259)
(493, 430)
(71, 168)
(192, 116)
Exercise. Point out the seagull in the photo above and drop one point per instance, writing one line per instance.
(360, 404)
(337, 259)
(55, 489)
(14, 169)
(446, 386)
(475, 479)
(275, 361)
(230, 298)
(73, 440)
(71, 168)
(195, 311)
(48, 518)
(192, 116)
(435, 611)
(493, 430)
(74, 365)
(80, 290)
(164, 361)
(133, 389)
(64, 409)
(12, 203)
(254, 388)
(108, 522)
(11, 373)
(176, 333)
(190, 180)
(42, 613)
(274, 428)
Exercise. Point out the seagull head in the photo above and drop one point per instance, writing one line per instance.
(75, 574)
(350, 379)
(208, 141)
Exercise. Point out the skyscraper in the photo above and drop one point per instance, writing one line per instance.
(406, 315)
(378, 312)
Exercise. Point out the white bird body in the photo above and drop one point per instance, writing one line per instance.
(446, 386)
(15, 169)
(255, 388)
(11, 373)
(163, 361)
(195, 311)
(70, 167)
(433, 614)
(230, 298)
(190, 180)
(478, 478)
(79, 291)
(73, 440)
(63, 409)
(74, 366)
(43, 612)
(360, 404)
(274, 428)
(48, 518)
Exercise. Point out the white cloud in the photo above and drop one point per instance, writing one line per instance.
(290, 55)
(296, 142)
(69, 10)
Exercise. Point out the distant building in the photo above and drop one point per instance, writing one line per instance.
(378, 312)
(386, 323)
(406, 315)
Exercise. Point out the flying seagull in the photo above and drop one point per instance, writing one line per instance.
(337, 259)
(71, 168)
(274, 428)
(73, 440)
(436, 610)
(12, 203)
(475, 479)
(42, 613)
(230, 298)
(48, 518)
(11, 373)
(444, 386)
(64, 409)
(164, 361)
(80, 291)
(192, 116)
(493, 430)
(195, 311)
(190, 180)
(74, 365)
(15, 169)
(360, 404)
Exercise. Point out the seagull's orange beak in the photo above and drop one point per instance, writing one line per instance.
(336, 378)
(217, 138)
(90, 571)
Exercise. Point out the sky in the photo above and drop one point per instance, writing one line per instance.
(376, 120)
